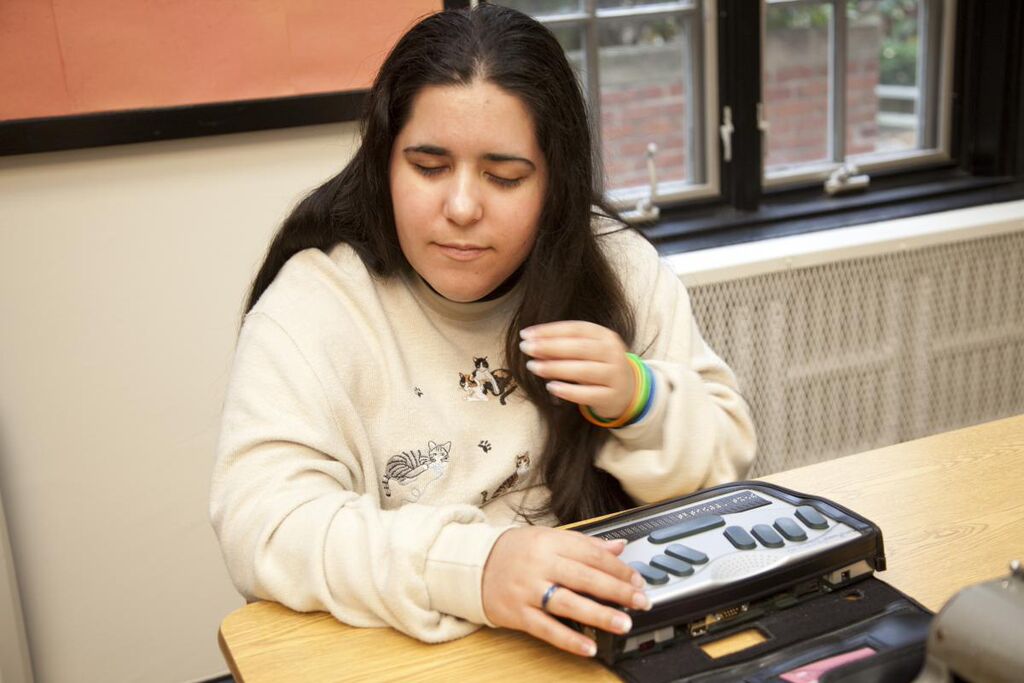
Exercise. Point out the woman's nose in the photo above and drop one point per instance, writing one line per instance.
(463, 204)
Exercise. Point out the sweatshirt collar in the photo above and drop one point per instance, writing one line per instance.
(474, 310)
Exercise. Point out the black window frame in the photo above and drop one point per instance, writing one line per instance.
(987, 145)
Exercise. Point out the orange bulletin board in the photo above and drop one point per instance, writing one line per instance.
(63, 58)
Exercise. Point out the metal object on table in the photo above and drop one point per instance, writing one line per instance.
(979, 634)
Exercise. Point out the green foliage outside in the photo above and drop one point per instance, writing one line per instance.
(897, 20)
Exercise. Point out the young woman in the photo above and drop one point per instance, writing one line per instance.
(433, 367)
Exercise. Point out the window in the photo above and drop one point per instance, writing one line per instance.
(859, 81)
(644, 67)
(756, 107)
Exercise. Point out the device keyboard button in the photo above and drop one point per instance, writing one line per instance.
(767, 536)
(651, 574)
(686, 553)
(671, 565)
(811, 517)
(739, 537)
(790, 529)
(687, 528)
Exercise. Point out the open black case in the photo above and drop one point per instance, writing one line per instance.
(752, 583)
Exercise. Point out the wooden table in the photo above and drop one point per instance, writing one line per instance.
(951, 509)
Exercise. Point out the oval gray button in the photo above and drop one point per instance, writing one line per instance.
(687, 528)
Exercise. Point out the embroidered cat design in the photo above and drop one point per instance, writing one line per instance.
(408, 466)
(522, 468)
(471, 387)
(499, 382)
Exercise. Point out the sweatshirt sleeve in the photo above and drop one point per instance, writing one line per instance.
(699, 432)
(296, 525)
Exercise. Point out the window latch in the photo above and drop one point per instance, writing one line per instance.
(762, 122)
(646, 211)
(846, 178)
(726, 130)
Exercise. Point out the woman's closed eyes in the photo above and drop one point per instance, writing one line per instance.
(430, 171)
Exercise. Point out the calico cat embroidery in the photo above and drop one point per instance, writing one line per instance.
(499, 382)
(409, 465)
(471, 387)
(522, 468)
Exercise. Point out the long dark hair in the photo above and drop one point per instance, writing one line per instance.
(565, 277)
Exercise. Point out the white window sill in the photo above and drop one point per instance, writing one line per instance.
(735, 261)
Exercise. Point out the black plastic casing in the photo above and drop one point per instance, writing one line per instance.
(868, 547)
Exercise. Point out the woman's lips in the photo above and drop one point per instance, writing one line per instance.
(460, 252)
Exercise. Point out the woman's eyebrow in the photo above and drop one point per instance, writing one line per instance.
(427, 149)
(433, 150)
(508, 157)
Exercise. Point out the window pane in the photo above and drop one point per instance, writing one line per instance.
(571, 40)
(882, 92)
(796, 84)
(536, 8)
(621, 4)
(646, 75)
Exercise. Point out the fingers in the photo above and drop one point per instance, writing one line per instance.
(582, 394)
(526, 561)
(585, 382)
(616, 546)
(563, 328)
(590, 568)
(586, 579)
(600, 554)
(583, 363)
(610, 564)
(540, 625)
(577, 371)
(569, 604)
(570, 348)
(571, 339)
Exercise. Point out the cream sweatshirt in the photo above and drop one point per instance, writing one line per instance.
(373, 446)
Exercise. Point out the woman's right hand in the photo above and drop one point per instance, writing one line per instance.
(526, 561)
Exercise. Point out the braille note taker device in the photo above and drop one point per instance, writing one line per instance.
(751, 582)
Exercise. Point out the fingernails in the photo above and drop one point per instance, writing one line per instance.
(553, 387)
(532, 366)
(588, 648)
(616, 544)
(526, 332)
(637, 581)
(527, 347)
(641, 601)
(622, 623)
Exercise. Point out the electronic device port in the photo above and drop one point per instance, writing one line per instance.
(701, 626)
(649, 640)
(845, 575)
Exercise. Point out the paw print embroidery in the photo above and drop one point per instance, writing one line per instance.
(485, 446)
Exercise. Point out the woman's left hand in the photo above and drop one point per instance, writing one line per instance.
(582, 362)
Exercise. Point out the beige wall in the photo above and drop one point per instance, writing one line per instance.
(122, 272)
(14, 662)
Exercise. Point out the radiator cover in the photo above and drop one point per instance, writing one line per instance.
(844, 357)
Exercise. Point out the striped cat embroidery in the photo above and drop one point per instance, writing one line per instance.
(407, 467)
(522, 468)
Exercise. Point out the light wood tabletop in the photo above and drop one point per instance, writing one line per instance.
(950, 508)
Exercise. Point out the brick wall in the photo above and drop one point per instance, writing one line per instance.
(796, 90)
(643, 100)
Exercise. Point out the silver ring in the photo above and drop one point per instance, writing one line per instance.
(547, 596)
